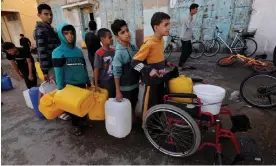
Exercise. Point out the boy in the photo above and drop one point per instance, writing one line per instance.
(25, 42)
(103, 74)
(46, 40)
(150, 60)
(69, 66)
(92, 42)
(22, 63)
(186, 36)
(126, 78)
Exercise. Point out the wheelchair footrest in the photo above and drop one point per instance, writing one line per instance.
(240, 123)
(249, 150)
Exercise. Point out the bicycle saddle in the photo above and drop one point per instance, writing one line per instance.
(237, 30)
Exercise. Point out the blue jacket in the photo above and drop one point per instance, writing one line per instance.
(123, 56)
(69, 63)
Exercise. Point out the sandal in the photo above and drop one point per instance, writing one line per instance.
(65, 117)
(77, 131)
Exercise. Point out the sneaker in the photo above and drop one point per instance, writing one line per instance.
(65, 117)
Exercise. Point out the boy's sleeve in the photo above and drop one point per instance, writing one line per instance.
(98, 61)
(138, 60)
(117, 65)
(58, 63)
(42, 51)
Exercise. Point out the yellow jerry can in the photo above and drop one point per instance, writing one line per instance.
(48, 107)
(39, 71)
(75, 100)
(98, 111)
(181, 84)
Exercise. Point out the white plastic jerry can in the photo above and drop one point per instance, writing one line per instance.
(28, 99)
(118, 117)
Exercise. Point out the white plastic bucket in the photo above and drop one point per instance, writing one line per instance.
(47, 87)
(211, 97)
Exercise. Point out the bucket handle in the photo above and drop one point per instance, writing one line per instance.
(51, 81)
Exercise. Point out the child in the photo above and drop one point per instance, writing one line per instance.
(126, 78)
(103, 74)
(150, 60)
(22, 63)
(92, 42)
(70, 67)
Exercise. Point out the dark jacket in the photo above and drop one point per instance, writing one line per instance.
(92, 42)
(46, 41)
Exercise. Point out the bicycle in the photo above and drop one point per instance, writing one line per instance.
(259, 91)
(257, 65)
(176, 129)
(197, 47)
(239, 45)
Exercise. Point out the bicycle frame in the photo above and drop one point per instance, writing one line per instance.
(217, 36)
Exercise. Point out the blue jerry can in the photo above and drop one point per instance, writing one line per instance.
(34, 96)
(6, 83)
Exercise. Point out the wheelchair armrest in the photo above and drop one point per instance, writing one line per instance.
(182, 95)
(195, 80)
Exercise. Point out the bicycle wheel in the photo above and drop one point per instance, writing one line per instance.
(227, 61)
(259, 91)
(172, 131)
(264, 69)
(197, 49)
(168, 51)
(246, 47)
(212, 47)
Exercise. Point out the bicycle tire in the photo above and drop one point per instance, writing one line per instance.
(247, 55)
(181, 113)
(195, 50)
(168, 51)
(264, 69)
(216, 50)
(248, 101)
(222, 64)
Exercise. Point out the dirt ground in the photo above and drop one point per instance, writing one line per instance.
(29, 140)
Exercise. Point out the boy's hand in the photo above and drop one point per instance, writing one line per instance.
(119, 96)
(97, 89)
(30, 77)
(46, 78)
(154, 73)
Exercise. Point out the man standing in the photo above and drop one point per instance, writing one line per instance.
(46, 40)
(25, 42)
(22, 63)
(186, 36)
(92, 42)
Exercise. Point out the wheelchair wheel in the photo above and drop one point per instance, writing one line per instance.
(172, 130)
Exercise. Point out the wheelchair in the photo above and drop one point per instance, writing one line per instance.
(176, 129)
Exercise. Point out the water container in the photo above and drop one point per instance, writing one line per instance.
(39, 71)
(34, 93)
(75, 100)
(6, 83)
(118, 117)
(47, 87)
(48, 107)
(98, 111)
(211, 97)
(181, 84)
(28, 99)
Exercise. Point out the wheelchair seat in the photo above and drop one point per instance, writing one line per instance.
(190, 108)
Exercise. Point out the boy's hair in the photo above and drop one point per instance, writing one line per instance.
(92, 25)
(21, 35)
(68, 28)
(117, 25)
(102, 32)
(158, 17)
(8, 45)
(43, 6)
(193, 6)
